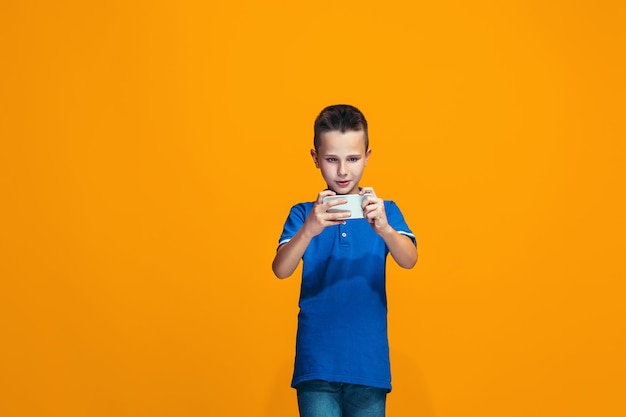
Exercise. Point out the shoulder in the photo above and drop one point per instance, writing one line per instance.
(301, 207)
(300, 210)
(392, 210)
(391, 205)
(295, 219)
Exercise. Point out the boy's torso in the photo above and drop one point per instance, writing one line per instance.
(342, 326)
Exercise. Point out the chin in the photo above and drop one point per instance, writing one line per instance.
(338, 192)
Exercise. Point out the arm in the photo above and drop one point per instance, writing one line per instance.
(289, 254)
(401, 247)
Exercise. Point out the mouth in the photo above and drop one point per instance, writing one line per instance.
(343, 184)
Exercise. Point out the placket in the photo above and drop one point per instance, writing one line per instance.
(344, 234)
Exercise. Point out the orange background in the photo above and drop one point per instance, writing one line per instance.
(151, 150)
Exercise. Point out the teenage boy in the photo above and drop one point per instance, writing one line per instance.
(342, 351)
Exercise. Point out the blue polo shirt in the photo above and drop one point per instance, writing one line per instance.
(342, 324)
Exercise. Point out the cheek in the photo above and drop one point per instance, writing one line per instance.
(326, 169)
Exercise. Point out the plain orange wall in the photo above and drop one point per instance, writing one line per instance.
(151, 150)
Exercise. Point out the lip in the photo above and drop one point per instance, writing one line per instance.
(343, 184)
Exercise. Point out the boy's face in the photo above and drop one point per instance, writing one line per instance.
(342, 158)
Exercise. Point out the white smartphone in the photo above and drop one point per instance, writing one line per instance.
(353, 204)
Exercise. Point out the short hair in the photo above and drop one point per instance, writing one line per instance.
(340, 117)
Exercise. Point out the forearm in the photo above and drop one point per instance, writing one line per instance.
(401, 248)
(289, 255)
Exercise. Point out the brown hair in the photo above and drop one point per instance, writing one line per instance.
(340, 117)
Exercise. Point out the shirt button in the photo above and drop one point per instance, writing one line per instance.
(344, 234)
(344, 222)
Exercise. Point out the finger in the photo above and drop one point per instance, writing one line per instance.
(367, 191)
(322, 194)
(335, 201)
(337, 215)
(340, 216)
(335, 218)
(370, 200)
(374, 212)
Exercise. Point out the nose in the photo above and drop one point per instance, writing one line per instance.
(341, 169)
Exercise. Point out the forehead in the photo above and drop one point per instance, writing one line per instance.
(348, 141)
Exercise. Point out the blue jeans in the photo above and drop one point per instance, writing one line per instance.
(337, 399)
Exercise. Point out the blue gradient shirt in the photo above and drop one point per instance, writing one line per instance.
(342, 324)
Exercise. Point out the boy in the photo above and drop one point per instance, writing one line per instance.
(342, 352)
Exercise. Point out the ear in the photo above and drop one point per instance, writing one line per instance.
(315, 160)
(367, 155)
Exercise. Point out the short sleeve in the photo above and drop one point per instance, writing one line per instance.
(295, 220)
(396, 220)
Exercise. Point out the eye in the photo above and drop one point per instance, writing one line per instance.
(353, 159)
(331, 159)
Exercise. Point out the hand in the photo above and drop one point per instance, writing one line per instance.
(374, 210)
(319, 218)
